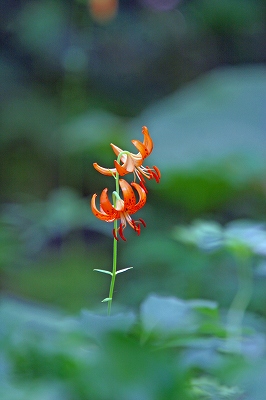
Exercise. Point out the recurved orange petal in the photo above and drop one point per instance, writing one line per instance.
(106, 205)
(128, 194)
(141, 148)
(120, 169)
(142, 196)
(148, 143)
(104, 171)
(117, 151)
(99, 214)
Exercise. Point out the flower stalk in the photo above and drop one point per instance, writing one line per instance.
(122, 207)
(112, 283)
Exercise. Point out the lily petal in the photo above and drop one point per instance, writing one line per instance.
(99, 214)
(141, 148)
(120, 169)
(104, 171)
(105, 204)
(148, 143)
(128, 194)
(142, 196)
(117, 151)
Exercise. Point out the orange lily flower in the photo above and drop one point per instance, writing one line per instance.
(122, 209)
(133, 162)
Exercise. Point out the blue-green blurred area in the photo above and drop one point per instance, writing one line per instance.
(193, 72)
(74, 80)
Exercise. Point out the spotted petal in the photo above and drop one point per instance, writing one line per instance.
(148, 143)
(142, 196)
(120, 169)
(107, 212)
(131, 206)
(99, 214)
(128, 194)
(105, 204)
(141, 148)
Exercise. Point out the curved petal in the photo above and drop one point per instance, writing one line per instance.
(131, 162)
(141, 148)
(106, 205)
(148, 143)
(121, 169)
(117, 151)
(142, 197)
(128, 194)
(104, 171)
(99, 214)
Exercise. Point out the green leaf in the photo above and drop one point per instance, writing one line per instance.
(106, 299)
(98, 326)
(166, 316)
(123, 270)
(103, 271)
(203, 306)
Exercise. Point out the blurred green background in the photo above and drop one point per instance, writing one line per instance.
(74, 79)
(76, 76)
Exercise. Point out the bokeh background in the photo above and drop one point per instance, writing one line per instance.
(77, 75)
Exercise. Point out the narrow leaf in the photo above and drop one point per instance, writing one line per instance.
(123, 270)
(106, 299)
(104, 271)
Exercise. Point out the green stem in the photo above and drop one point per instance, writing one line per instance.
(239, 304)
(121, 154)
(112, 283)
